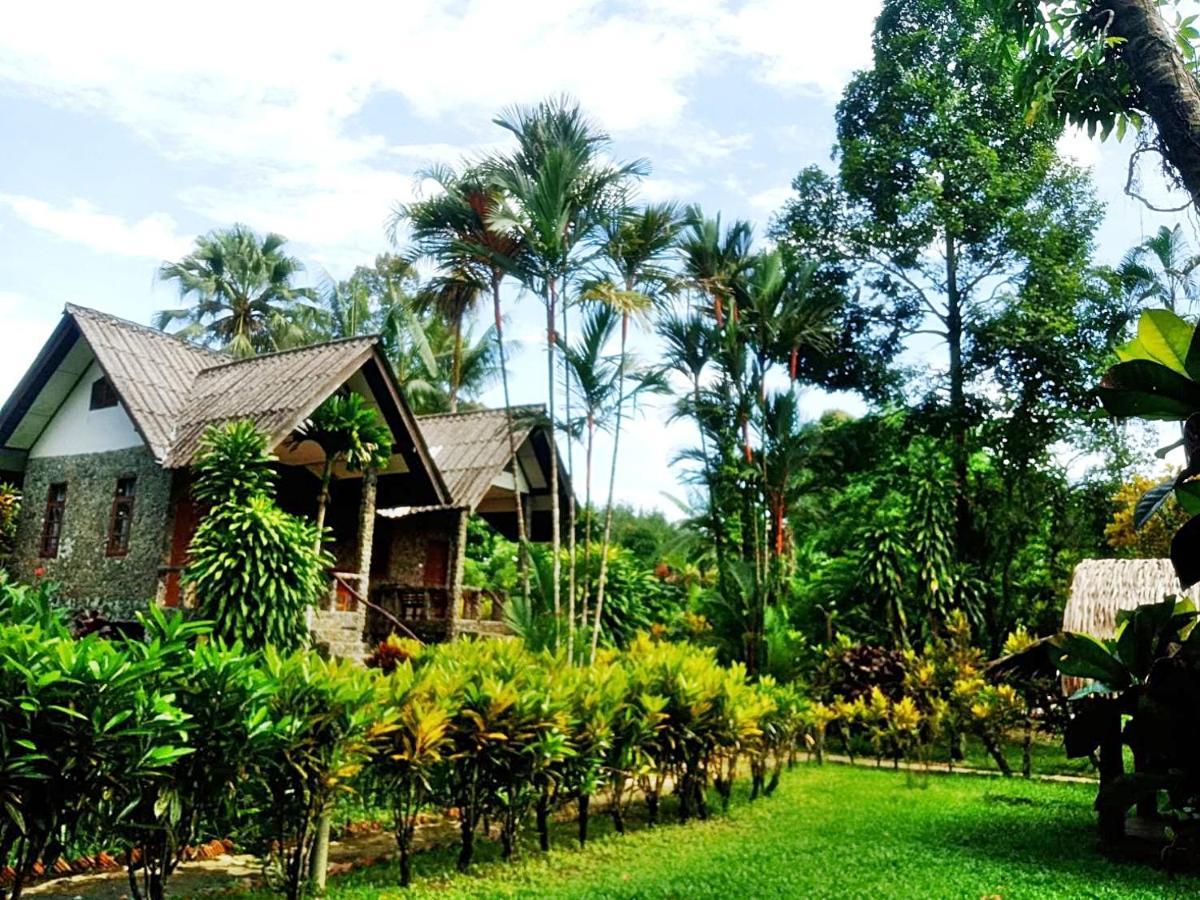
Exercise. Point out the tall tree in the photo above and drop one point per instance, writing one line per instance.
(634, 251)
(594, 374)
(556, 188)
(243, 293)
(939, 177)
(454, 228)
(1104, 65)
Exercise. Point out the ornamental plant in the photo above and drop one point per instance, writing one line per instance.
(82, 722)
(403, 767)
(325, 725)
(1158, 378)
(255, 569)
(219, 691)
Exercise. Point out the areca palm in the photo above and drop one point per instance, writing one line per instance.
(714, 259)
(452, 297)
(594, 375)
(1165, 269)
(556, 190)
(350, 432)
(454, 229)
(635, 247)
(243, 292)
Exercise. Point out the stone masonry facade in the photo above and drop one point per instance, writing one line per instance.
(119, 586)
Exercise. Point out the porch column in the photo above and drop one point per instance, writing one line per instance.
(456, 576)
(366, 540)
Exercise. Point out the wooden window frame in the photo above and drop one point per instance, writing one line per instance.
(56, 512)
(115, 546)
(104, 395)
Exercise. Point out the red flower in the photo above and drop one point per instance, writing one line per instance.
(39, 572)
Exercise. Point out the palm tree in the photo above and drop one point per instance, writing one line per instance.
(634, 247)
(454, 228)
(350, 432)
(424, 360)
(245, 300)
(452, 297)
(556, 191)
(714, 260)
(1165, 269)
(595, 378)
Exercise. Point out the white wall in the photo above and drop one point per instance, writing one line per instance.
(76, 429)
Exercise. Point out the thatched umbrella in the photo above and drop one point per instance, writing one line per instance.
(1102, 588)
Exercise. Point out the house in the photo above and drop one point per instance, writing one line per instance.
(103, 430)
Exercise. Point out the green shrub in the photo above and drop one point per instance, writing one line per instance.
(255, 569)
(402, 770)
(83, 727)
(324, 725)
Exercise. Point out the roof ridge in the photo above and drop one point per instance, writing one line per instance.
(488, 411)
(372, 338)
(87, 311)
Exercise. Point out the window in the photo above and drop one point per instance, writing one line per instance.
(56, 506)
(121, 522)
(103, 395)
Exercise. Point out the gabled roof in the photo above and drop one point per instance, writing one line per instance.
(173, 390)
(152, 371)
(472, 448)
(276, 391)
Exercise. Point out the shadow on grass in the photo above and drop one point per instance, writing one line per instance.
(435, 867)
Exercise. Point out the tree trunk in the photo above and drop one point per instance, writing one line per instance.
(542, 814)
(612, 482)
(572, 567)
(323, 500)
(1167, 88)
(456, 367)
(522, 537)
(958, 417)
(587, 520)
(466, 829)
(320, 854)
(555, 511)
(584, 804)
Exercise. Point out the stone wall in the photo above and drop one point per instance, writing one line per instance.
(118, 585)
(340, 632)
(400, 546)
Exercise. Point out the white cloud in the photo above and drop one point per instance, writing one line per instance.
(771, 199)
(153, 236)
(27, 324)
(277, 101)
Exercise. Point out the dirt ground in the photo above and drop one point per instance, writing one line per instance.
(228, 872)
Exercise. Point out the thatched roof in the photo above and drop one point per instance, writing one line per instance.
(1102, 588)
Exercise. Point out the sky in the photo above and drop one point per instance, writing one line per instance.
(128, 132)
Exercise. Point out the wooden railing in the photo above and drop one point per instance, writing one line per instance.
(341, 584)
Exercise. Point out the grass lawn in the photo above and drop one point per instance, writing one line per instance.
(834, 831)
(1047, 755)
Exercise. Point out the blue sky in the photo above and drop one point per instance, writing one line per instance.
(128, 133)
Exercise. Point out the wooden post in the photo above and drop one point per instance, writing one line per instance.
(1112, 766)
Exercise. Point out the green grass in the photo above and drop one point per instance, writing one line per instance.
(1047, 756)
(832, 831)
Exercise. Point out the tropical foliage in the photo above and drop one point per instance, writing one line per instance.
(255, 569)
